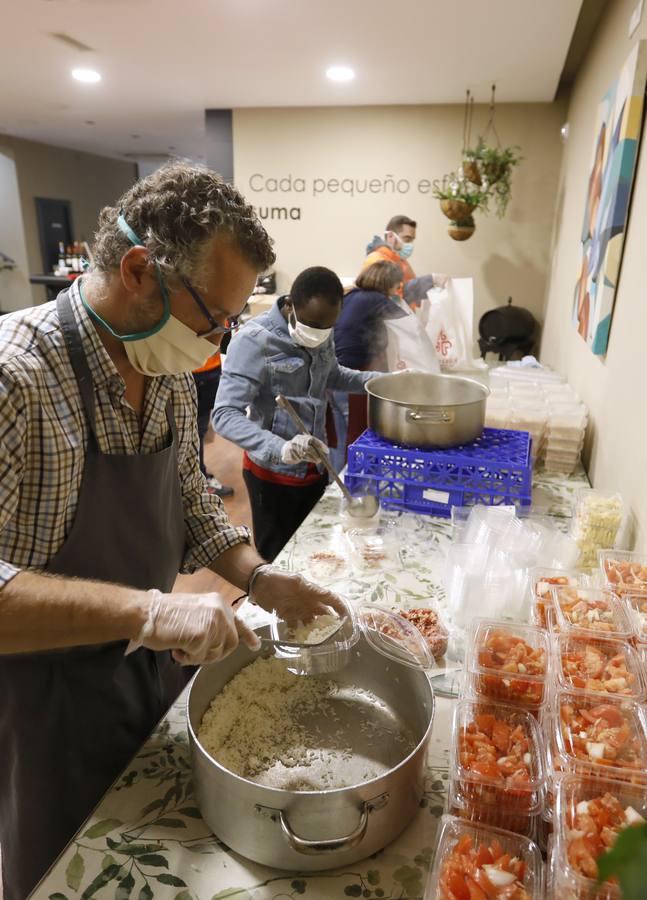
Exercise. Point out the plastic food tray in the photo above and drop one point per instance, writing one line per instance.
(479, 786)
(541, 582)
(487, 678)
(494, 815)
(595, 652)
(592, 612)
(571, 790)
(567, 730)
(619, 580)
(452, 830)
(495, 469)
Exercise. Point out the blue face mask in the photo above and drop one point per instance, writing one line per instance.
(405, 251)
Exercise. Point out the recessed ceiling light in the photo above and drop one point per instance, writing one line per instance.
(340, 73)
(87, 76)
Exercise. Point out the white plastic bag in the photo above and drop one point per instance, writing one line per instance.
(408, 345)
(447, 317)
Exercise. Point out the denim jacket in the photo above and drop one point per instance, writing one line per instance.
(263, 361)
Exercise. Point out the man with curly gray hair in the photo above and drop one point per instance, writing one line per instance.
(102, 503)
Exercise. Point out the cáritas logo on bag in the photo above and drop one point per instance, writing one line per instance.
(443, 344)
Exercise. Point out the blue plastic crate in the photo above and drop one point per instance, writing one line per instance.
(495, 470)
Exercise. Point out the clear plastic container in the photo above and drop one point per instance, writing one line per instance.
(597, 666)
(592, 612)
(371, 549)
(600, 737)
(508, 662)
(497, 760)
(623, 569)
(493, 814)
(542, 580)
(460, 845)
(637, 607)
(596, 523)
(306, 648)
(394, 637)
(559, 446)
(583, 805)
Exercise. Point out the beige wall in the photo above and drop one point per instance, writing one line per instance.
(88, 181)
(15, 290)
(505, 257)
(611, 386)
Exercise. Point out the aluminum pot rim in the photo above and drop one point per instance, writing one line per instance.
(328, 792)
(408, 403)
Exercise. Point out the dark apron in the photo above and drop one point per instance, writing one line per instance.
(71, 720)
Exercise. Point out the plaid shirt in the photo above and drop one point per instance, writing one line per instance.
(44, 433)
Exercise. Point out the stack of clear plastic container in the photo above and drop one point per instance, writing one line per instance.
(566, 428)
(541, 402)
(488, 565)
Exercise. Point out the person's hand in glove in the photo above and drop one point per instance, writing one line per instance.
(293, 597)
(197, 628)
(302, 449)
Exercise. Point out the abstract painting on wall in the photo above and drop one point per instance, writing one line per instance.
(615, 151)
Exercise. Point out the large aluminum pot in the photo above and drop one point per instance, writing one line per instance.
(316, 830)
(424, 410)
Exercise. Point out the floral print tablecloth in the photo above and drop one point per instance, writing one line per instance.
(147, 839)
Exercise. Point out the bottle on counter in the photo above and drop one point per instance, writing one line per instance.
(61, 265)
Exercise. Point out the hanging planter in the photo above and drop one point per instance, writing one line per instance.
(456, 209)
(471, 171)
(494, 166)
(462, 230)
(458, 200)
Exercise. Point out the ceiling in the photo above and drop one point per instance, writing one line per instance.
(164, 62)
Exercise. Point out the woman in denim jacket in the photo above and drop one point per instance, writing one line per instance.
(288, 350)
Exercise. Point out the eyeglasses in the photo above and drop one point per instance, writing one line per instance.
(216, 328)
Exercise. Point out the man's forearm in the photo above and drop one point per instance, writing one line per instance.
(236, 565)
(44, 612)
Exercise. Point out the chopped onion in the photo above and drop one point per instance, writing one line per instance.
(498, 877)
(595, 749)
(527, 758)
(632, 816)
(582, 807)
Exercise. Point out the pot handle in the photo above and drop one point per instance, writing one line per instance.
(438, 417)
(313, 848)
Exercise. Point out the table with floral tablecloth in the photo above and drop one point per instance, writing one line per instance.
(146, 838)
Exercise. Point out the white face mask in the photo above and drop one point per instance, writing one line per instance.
(306, 335)
(172, 350)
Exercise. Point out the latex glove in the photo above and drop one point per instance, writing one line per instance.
(293, 597)
(301, 449)
(440, 279)
(197, 628)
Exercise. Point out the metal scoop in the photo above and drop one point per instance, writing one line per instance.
(362, 507)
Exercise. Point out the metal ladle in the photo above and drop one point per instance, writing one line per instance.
(363, 507)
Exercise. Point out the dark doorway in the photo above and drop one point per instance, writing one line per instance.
(54, 226)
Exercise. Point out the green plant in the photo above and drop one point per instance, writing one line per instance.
(495, 166)
(453, 187)
(627, 860)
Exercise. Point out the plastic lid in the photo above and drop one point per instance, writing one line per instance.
(395, 637)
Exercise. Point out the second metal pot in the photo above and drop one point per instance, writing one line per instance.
(424, 410)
